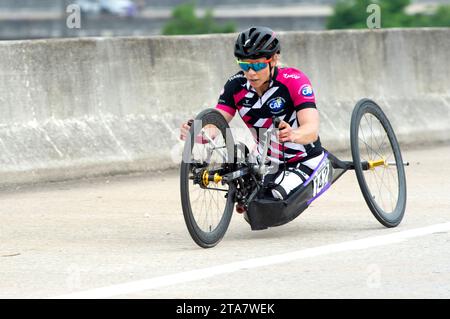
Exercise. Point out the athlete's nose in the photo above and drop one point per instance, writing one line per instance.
(251, 72)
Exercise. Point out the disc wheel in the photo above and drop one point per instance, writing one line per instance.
(378, 163)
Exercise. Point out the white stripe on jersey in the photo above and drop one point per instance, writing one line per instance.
(244, 110)
(260, 122)
(260, 102)
(275, 150)
(295, 146)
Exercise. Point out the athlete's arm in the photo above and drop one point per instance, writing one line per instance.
(226, 115)
(308, 132)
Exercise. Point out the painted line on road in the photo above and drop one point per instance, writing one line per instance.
(168, 280)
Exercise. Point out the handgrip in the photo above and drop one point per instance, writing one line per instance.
(276, 121)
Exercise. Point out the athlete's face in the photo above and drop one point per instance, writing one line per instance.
(259, 79)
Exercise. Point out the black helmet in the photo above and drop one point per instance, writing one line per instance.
(256, 43)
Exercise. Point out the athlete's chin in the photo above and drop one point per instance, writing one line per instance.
(256, 83)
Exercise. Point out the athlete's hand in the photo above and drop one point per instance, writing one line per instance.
(285, 133)
(184, 129)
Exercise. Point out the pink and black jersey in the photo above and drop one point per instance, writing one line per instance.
(289, 91)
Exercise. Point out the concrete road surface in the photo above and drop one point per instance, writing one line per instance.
(125, 237)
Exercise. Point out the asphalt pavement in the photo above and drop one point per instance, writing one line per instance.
(125, 237)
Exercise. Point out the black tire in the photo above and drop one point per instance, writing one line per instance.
(367, 115)
(210, 236)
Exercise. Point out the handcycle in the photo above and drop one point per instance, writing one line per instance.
(216, 173)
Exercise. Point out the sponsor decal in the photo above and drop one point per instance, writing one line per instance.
(247, 103)
(291, 76)
(276, 105)
(306, 91)
(236, 76)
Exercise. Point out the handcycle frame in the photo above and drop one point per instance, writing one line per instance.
(246, 176)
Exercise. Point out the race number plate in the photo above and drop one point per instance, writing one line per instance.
(321, 178)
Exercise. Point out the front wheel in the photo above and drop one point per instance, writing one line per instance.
(378, 163)
(207, 203)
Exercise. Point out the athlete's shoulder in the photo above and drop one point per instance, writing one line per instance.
(238, 78)
(234, 83)
(298, 85)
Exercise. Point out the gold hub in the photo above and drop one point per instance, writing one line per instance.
(205, 178)
(217, 178)
(373, 164)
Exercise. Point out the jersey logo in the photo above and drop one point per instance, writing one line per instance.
(306, 91)
(236, 76)
(276, 105)
(291, 76)
(247, 103)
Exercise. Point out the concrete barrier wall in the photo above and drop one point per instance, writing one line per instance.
(108, 26)
(82, 107)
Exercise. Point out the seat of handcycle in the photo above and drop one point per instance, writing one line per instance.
(264, 211)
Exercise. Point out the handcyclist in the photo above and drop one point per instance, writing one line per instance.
(262, 90)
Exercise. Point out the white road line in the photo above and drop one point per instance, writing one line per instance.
(163, 281)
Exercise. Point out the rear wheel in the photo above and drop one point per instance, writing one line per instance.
(378, 163)
(207, 203)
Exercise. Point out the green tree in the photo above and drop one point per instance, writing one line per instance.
(349, 14)
(441, 18)
(352, 14)
(185, 21)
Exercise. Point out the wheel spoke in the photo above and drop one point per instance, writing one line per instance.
(364, 141)
(388, 184)
(378, 186)
(382, 183)
(368, 141)
(372, 150)
(384, 136)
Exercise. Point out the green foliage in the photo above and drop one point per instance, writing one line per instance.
(184, 21)
(352, 14)
(349, 14)
(440, 19)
